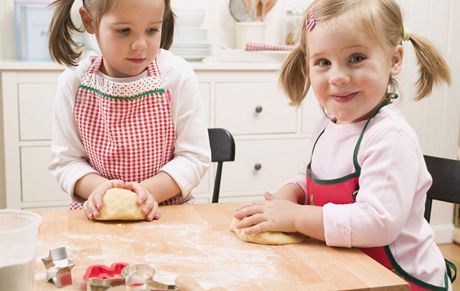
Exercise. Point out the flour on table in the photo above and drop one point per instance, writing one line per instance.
(222, 261)
(217, 260)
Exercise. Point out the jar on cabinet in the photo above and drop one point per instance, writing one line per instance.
(293, 26)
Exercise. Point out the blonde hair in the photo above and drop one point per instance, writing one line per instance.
(383, 22)
(65, 50)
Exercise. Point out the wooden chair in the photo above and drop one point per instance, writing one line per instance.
(222, 150)
(446, 182)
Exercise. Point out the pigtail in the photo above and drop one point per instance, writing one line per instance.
(167, 33)
(431, 66)
(62, 47)
(294, 77)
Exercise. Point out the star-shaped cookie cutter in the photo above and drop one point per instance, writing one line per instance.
(58, 267)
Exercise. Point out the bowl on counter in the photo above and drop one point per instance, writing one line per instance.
(189, 18)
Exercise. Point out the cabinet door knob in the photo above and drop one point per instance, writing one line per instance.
(258, 109)
(257, 166)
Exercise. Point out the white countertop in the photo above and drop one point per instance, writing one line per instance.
(17, 65)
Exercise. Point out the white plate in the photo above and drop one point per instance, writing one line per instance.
(191, 51)
(191, 44)
(193, 57)
(190, 35)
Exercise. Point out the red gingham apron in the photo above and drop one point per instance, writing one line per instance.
(126, 128)
(344, 191)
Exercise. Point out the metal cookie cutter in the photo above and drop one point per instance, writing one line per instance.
(58, 267)
(101, 277)
(135, 277)
(140, 277)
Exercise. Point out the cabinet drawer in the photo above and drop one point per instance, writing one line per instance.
(262, 165)
(35, 110)
(253, 108)
(37, 184)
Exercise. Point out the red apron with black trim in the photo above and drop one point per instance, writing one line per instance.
(344, 191)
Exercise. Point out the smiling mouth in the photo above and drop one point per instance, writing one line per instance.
(344, 97)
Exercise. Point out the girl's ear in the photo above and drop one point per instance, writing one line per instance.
(396, 60)
(87, 20)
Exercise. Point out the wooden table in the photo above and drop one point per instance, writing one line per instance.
(195, 240)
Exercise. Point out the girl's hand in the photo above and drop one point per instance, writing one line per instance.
(94, 202)
(145, 199)
(267, 196)
(271, 214)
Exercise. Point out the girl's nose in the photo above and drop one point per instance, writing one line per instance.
(139, 43)
(339, 77)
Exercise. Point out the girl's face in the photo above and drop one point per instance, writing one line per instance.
(129, 35)
(349, 72)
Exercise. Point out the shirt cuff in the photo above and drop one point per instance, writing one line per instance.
(71, 175)
(184, 175)
(337, 225)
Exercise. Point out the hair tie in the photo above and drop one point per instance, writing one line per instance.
(392, 95)
(310, 24)
(406, 34)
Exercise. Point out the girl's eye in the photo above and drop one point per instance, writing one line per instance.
(123, 31)
(323, 63)
(356, 58)
(152, 30)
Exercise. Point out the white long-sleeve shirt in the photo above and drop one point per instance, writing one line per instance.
(192, 154)
(393, 183)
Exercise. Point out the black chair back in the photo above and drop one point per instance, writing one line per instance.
(222, 150)
(446, 182)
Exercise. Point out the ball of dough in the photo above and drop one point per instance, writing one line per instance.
(266, 238)
(120, 204)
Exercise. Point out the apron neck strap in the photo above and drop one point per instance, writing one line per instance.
(374, 112)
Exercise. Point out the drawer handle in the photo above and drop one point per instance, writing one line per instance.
(257, 166)
(258, 109)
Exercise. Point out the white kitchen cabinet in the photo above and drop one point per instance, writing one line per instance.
(262, 164)
(247, 108)
(27, 100)
(38, 187)
(271, 140)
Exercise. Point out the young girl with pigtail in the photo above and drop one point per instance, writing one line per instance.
(130, 118)
(366, 181)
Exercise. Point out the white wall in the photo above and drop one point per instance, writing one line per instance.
(218, 21)
(435, 119)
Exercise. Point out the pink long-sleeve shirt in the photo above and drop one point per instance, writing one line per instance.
(393, 183)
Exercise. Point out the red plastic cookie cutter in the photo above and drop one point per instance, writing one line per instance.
(103, 272)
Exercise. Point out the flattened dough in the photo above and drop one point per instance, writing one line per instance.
(266, 238)
(120, 204)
